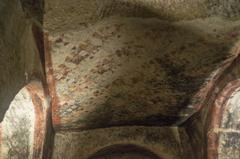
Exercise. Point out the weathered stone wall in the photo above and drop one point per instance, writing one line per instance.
(124, 152)
(18, 51)
(136, 62)
(18, 128)
(225, 8)
(165, 142)
(65, 14)
(228, 129)
(24, 128)
(204, 125)
(113, 63)
(130, 71)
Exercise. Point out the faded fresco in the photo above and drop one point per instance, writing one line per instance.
(119, 79)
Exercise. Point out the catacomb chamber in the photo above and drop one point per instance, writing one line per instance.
(159, 79)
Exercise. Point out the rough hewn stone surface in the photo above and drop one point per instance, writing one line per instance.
(225, 8)
(165, 142)
(18, 52)
(124, 152)
(125, 71)
(18, 128)
(61, 13)
(23, 130)
(124, 63)
(224, 131)
(209, 129)
(108, 48)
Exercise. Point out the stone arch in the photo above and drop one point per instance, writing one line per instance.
(24, 126)
(20, 63)
(124, 152)
(199, 123)
(223, 130)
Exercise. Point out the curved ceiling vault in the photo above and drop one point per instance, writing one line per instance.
(108, 68)
(120, 72)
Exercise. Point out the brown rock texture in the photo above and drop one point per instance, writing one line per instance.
(119, 79)
(19, 56)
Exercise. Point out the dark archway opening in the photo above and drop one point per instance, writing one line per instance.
(124, 152)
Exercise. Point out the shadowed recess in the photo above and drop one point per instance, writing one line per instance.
(124, 152)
